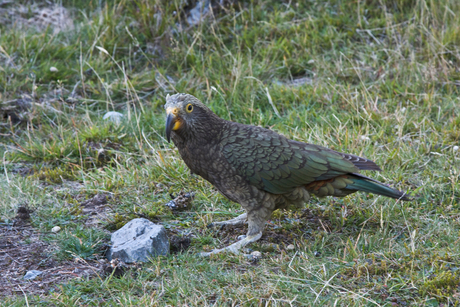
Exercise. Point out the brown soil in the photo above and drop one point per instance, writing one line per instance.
(22, 250)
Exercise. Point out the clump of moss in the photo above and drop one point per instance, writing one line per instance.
(442, 285)
(55, 175)
(370, 267)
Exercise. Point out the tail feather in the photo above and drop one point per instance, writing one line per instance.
(343, 185)
(369, 185)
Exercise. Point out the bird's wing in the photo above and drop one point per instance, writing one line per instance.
(277, 165)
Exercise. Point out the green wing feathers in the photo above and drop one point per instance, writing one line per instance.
(277, 165)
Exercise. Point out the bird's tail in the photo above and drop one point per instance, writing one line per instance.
(346, 184)
(369, 185)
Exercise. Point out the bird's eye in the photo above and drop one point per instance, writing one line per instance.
(189, 108)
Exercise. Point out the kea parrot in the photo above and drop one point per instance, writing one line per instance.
(260, 169)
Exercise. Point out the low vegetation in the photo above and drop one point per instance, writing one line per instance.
(379, 79)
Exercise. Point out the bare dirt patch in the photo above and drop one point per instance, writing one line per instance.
(22, 250)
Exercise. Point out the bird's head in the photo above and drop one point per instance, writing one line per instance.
(184, 113)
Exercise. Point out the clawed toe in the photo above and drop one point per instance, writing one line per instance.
(235, 247)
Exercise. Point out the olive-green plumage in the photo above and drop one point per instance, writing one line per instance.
(259, 168)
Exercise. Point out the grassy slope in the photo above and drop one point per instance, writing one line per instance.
(384, 85)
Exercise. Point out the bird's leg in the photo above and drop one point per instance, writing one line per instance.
(256, 221)
(240, 220)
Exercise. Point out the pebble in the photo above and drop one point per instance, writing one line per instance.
(53, 69)
(55, 229)
(290, 247)
(256, 255)
(32, 274)
(455, 148)
(113, 116)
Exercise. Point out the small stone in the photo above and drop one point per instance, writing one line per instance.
(32, 274)
(311, 62)
(256, 255)
(455, 148)
(55, 229)
(290, 247)
(113, 116)
(53, 69)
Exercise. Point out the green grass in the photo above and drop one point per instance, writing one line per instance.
(384, 84)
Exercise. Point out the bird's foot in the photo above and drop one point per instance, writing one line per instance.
(235, 247)
(240, 220)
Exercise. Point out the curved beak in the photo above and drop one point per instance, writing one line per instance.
(170, 123)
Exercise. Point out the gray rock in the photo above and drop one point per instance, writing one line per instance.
(138, 241)
(32, 274)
